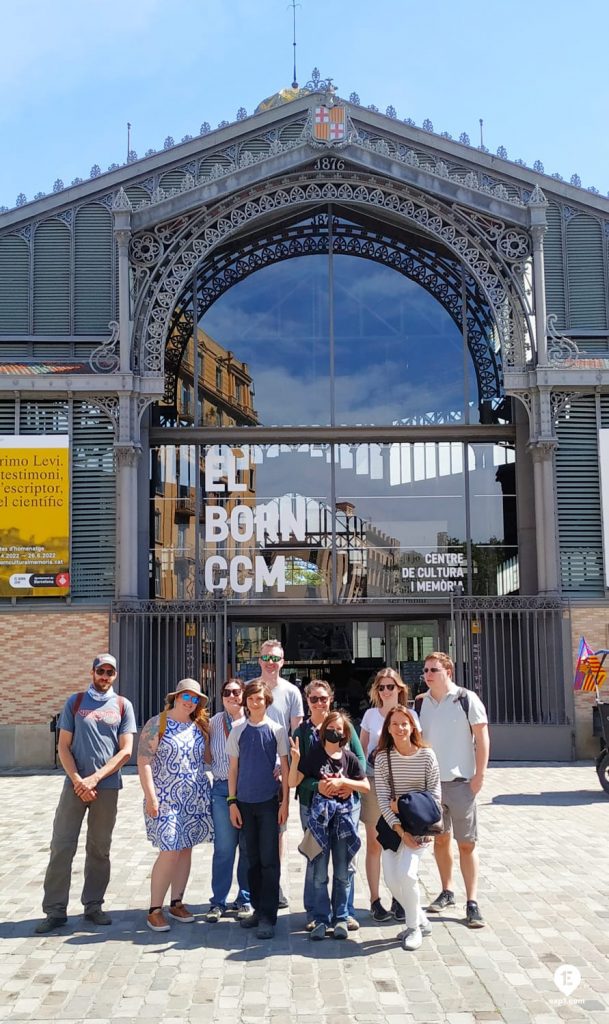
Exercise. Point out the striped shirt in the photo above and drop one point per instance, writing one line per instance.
(218, 737)
(413, 771)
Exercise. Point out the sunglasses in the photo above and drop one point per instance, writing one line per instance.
(318, 700)
(105, 671)
(231, 693)
(190, 698)
(274, 658)
(428, 668)
(386, 686)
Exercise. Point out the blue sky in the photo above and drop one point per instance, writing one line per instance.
(73, 73)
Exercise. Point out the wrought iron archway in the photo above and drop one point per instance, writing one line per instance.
(413, 256)
(492, 252)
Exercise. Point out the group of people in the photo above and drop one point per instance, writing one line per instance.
(257, 748)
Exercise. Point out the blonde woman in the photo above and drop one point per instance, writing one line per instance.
(388, 691)
(177, 796)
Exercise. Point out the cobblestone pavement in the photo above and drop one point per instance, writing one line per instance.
(544, 893)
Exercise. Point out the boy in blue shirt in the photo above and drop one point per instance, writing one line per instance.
(254, 804)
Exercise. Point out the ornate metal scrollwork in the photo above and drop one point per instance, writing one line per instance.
(437, 274)
(479, 603)
(461, 231)
(515, 245)
(106, 358)
(108, 405)
(146, 248)
(562, 351)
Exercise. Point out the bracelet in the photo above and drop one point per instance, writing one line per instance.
(231, 799)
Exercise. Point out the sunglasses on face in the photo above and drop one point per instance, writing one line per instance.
(190, 698)
(387, 686)
(318, 700)
(231, 693)
(428, 668)
(274, 658)
(105, 671)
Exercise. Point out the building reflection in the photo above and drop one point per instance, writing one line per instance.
(224, 397)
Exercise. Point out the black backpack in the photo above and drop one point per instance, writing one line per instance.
(462, 696)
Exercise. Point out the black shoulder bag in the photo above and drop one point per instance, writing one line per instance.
(388, 837)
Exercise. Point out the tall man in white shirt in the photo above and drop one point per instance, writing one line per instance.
(286, 709)
(455, 725)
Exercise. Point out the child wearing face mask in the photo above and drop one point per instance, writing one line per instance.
(339, 775)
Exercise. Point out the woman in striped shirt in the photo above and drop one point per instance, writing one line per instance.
(226, 837)
(413, 765)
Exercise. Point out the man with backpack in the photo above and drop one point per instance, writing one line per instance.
(96, 730)
(455, 725)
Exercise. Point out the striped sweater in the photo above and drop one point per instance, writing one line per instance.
(414, 771)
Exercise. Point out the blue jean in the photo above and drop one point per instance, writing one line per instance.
(262, 838)
(308, 896)
(323, 913)
(226, 840)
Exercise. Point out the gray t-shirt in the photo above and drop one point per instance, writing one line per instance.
(287, 704)
(95, 730)
(447, 730)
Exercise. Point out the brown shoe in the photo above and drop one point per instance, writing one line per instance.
(157, 921)
(181, 913)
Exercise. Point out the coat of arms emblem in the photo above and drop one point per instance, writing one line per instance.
(330, 124)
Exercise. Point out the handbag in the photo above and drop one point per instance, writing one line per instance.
(420, 813)
(388, 837)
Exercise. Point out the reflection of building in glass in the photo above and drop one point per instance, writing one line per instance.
(225, 387)
(178, 488)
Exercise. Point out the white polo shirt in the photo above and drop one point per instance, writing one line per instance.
(447, 730)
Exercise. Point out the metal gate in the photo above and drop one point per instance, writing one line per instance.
(511, 652)
(159, 643)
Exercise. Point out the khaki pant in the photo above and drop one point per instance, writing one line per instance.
(68, 821)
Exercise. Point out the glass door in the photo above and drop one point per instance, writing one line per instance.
(409, 643)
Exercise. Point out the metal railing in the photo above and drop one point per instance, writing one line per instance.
(511, 652)
(158, 643)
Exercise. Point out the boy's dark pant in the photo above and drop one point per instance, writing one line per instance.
(262, 841)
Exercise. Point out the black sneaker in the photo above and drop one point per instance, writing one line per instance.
(283, 903)
(98, 916)
(265, 930)
(441, 902)
(473, 915)
(50, 924)
(251, 921)
(378, 912)
(397, 910)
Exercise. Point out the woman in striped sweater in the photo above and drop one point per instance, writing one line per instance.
(413, 765)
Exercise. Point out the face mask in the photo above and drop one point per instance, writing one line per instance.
(333, 736)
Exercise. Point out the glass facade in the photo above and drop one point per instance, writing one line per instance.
(362, 356)
(332, 341)
(333, 523)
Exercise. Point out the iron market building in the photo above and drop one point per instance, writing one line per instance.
(324, 376)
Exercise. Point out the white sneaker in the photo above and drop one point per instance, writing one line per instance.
(412, 938)
(424, 924)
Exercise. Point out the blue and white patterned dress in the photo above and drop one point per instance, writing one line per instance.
(182, 789)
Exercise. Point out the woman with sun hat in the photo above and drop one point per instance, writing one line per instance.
(177, 796)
